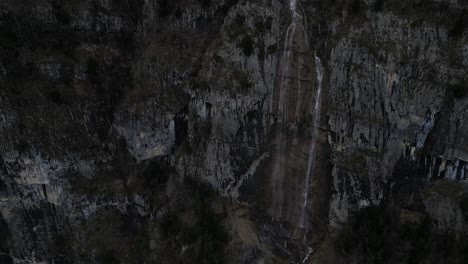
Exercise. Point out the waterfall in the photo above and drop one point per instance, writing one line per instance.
(278, 170)
(293, 157)
(313, 142)
(285, 69)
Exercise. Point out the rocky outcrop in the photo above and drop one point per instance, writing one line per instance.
(185, 128)
(384, 104)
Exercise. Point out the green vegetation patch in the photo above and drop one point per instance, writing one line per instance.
(451, 190)
(117, 237)
(196, 225)
(247, 45)
(238, 28)
(460, 90)
(376, 234)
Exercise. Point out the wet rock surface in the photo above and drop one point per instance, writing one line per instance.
(180, 131)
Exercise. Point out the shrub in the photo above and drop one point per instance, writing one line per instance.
(165, 8)
(378, 5)
(204, 232)
(263, 26)
(247, 46)
(4, 233)
(61, 14)
(271, 49)
(92, 70)
(464, 205)
(56, 97)
(355, 7)
(459, 91)
(460, 25)
(204, 3)
(244, 82)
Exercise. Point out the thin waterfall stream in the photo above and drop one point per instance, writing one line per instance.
(278, 170)
(293, 161)
(313, 142)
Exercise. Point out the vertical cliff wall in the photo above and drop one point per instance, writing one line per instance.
(232, 131)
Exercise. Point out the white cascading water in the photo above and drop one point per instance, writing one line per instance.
(278, 170)
(313, 142)
(289, 110)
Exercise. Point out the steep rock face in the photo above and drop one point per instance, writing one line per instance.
(109, 106)
(396, 103)
(113, 112)
(391, 82)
